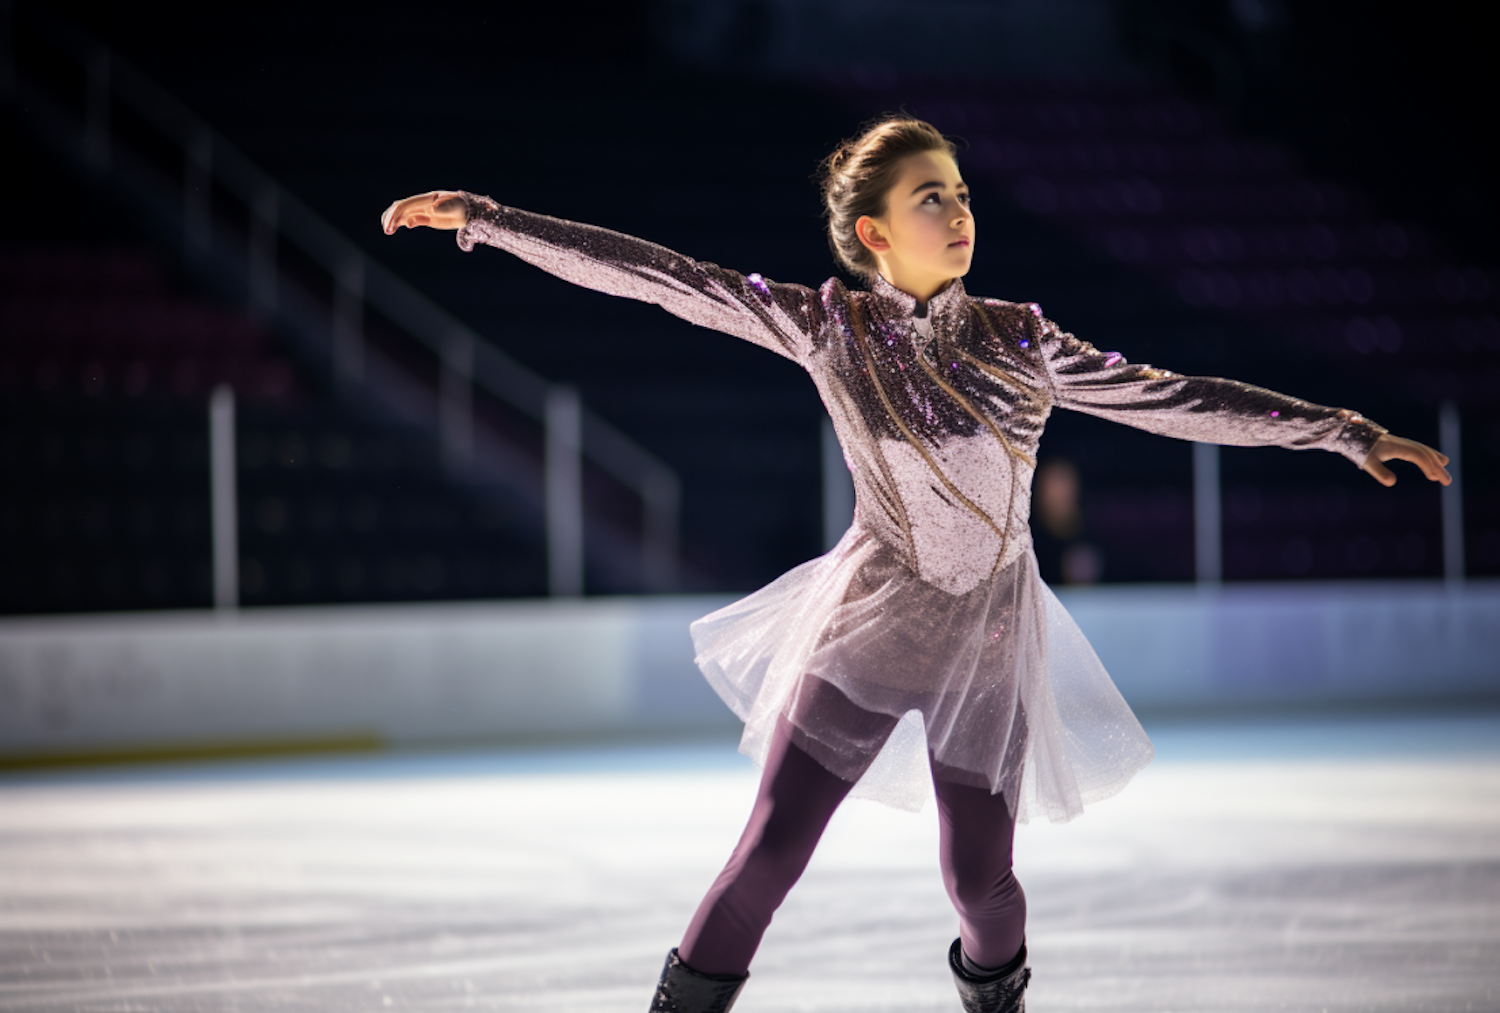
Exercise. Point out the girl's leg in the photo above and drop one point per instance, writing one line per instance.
(797, 797)
(976, 832)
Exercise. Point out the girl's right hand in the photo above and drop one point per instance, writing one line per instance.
(437, 209)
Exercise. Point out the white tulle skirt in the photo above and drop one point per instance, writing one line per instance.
(997, 684)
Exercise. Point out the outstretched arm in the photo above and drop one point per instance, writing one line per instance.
(775, 316)
(1214, 410)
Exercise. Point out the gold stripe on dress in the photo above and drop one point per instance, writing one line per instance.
(1034, 393)
(937, 378)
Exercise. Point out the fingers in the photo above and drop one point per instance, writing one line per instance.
(1434, 470)
(391, 219)
(1381, 473)
(1396, 448)
(1426, 458)
(407, 212)
(437, 208)
(397, 215)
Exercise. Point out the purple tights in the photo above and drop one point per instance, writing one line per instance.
(797, 798)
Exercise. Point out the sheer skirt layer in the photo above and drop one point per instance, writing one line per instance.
(998, 684)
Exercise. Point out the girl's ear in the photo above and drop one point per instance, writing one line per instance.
(868, 231)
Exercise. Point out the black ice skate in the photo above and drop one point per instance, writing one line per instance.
(684, 990)
(1002, 992)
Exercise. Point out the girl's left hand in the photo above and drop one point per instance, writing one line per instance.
(1390, 447)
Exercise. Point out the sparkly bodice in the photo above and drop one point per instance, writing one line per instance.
(939, 429)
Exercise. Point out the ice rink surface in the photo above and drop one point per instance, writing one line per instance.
(1290, 864)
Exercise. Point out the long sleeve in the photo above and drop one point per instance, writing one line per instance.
(779, 317)
(1202, 408)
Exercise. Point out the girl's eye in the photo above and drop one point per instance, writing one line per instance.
(937, 198)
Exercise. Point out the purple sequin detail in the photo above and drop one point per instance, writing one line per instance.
(1036, 310)
(1114, 357)
(1025, 343)
(760, 284)
(1275, 415)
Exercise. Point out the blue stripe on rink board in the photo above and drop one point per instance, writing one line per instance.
(423, 674)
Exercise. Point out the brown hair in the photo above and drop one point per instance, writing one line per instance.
(857, 178)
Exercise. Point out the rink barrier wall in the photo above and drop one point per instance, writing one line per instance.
(346, 677)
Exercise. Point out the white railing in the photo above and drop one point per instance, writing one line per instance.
(465, 361)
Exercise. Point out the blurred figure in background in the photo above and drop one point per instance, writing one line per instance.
(1064, 554)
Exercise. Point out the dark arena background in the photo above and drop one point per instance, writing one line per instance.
(345, 578)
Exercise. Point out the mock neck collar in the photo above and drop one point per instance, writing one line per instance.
(905, 305)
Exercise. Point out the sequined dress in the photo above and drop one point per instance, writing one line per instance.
(929, 609)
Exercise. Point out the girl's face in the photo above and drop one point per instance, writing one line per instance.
(926, 236)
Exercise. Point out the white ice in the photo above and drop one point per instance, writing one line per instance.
(1339, 864)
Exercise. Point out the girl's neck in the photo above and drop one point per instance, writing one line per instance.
(922, 291)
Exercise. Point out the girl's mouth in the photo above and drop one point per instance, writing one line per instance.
(960, 242)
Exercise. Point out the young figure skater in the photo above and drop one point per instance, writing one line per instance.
(923, 646)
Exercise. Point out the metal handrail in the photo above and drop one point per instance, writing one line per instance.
(465, 358)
